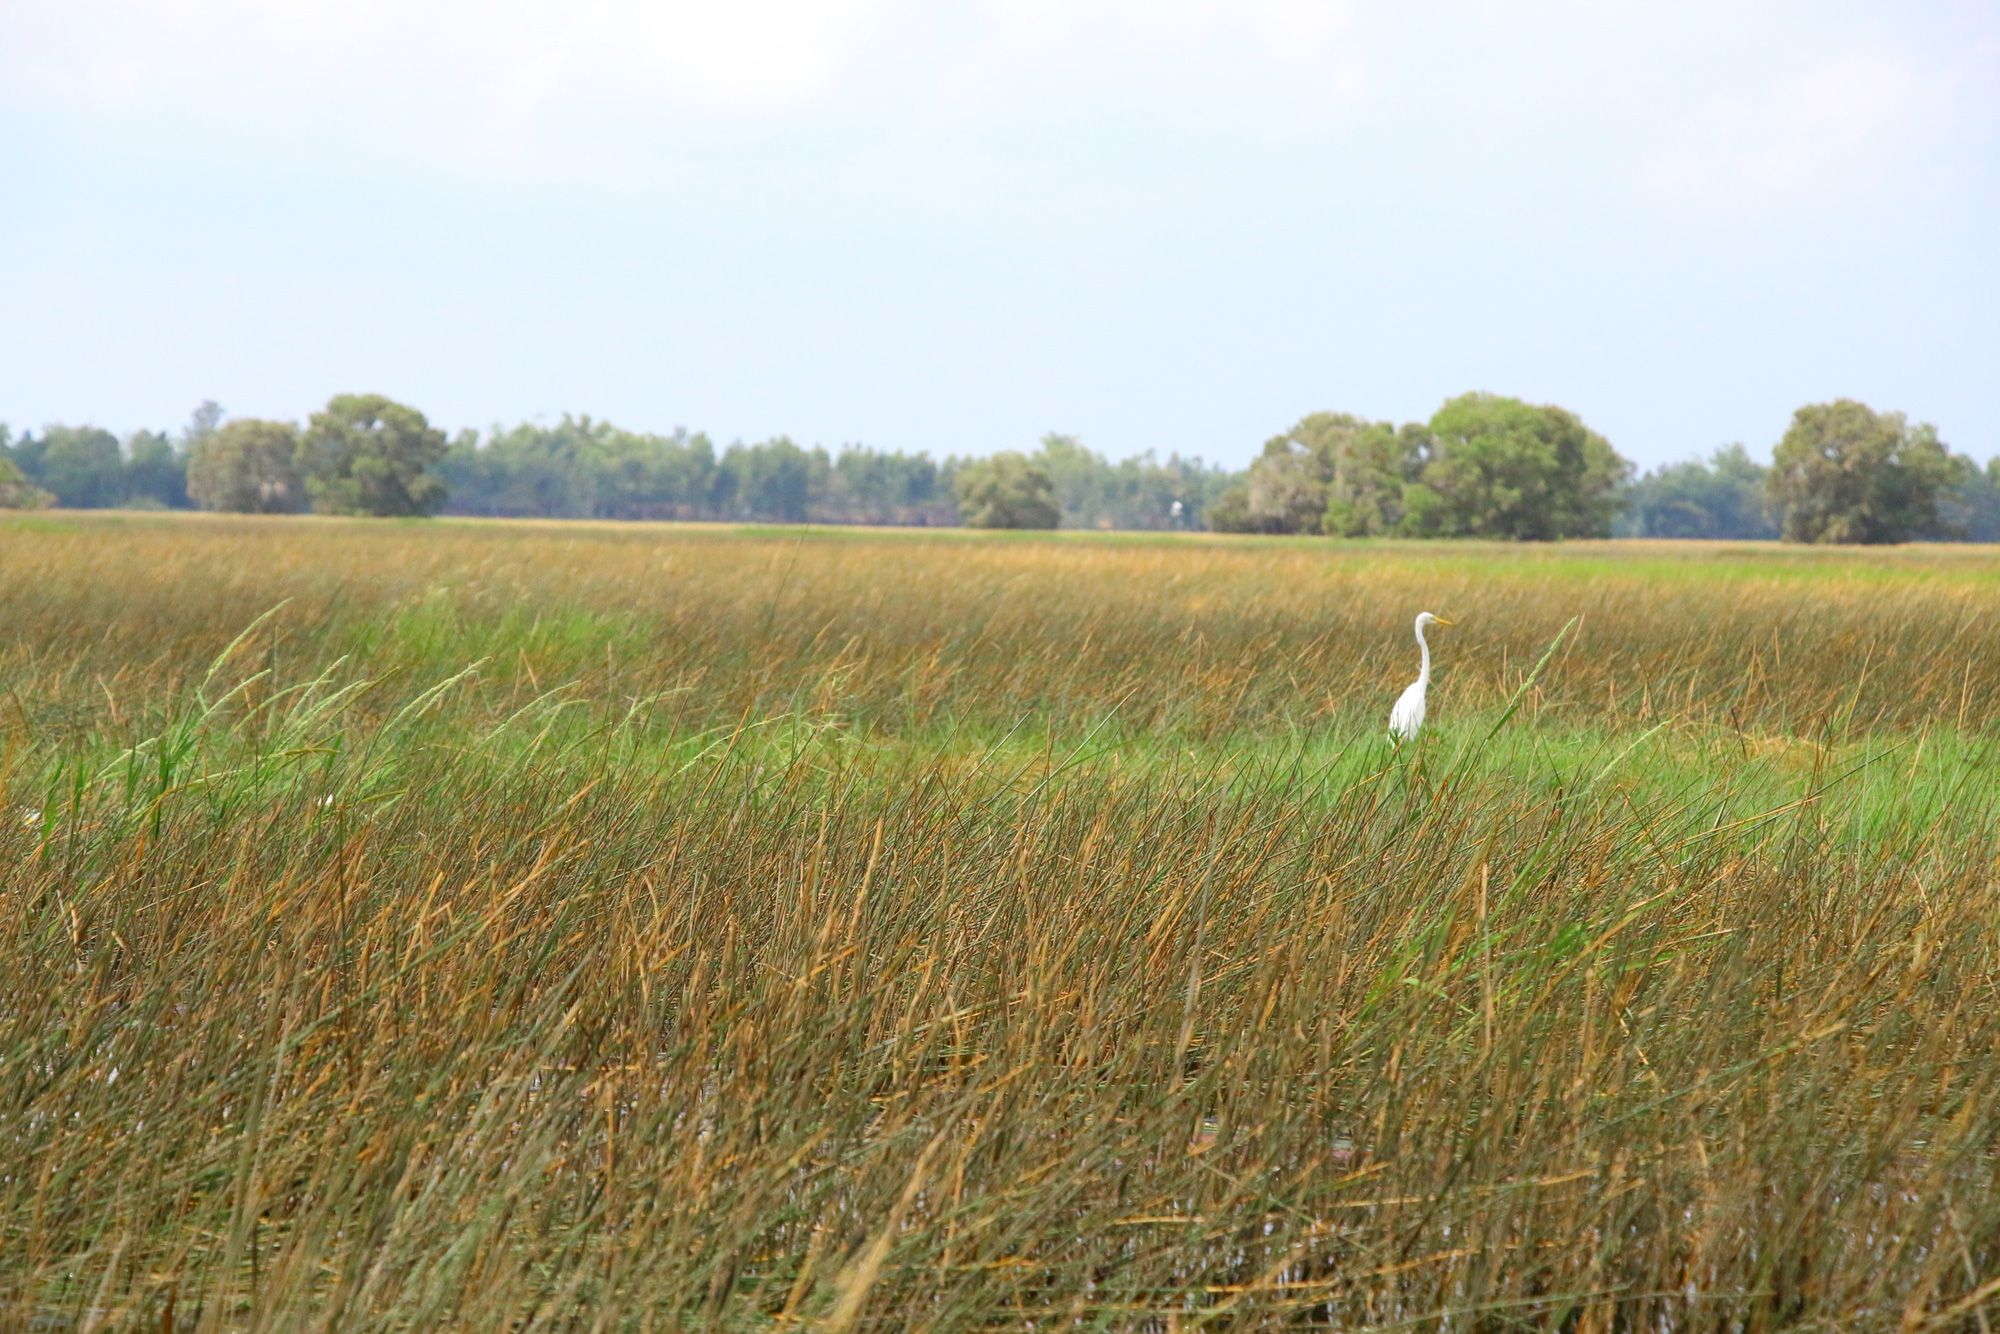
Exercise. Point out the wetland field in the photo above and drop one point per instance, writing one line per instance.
(537, 926)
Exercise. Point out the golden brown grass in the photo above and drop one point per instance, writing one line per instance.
(755, 940)
(1196, 638)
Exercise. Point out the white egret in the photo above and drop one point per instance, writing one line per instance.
(1407, 718)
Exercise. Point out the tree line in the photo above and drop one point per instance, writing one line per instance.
(582, 468)
(1488, 466)
(1842, 473)
(366, 454)
(1483, 465)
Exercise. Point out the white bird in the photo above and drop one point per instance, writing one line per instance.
(1407, 718)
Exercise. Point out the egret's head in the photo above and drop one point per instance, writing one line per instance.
(1424, 618)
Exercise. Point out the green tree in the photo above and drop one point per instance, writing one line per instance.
(1722, 498)
(663, 477)
(368, 454)
(1080, 478)
(1846, 473)
(1138, 492)
(16, 491)
(81, 465)
(1366, 465)
(1231, 511)
(249, 466)
(1973, 509)
(1006, 491)
(155, 472)
(1333, 473)
(775, 480)
(1285, 491)
(1502, 468)
(882, 487)
(543, 472)
(203, 422)
(584, 467)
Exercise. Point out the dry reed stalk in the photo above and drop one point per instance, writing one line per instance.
(395, 1008)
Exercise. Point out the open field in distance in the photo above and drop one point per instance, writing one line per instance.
(489, 925)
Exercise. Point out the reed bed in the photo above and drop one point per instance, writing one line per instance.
(532, 927)
(899, 634)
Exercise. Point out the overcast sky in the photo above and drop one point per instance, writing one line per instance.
(1177, 225)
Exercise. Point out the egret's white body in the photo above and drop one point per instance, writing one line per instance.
(1407, 718)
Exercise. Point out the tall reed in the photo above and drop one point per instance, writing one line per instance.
(719, 976)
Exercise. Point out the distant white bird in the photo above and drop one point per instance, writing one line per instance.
(1407, 718)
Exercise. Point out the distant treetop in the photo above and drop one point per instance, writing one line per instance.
(1846, 473)
(1483, 466)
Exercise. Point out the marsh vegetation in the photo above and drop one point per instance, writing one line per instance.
(543, 926)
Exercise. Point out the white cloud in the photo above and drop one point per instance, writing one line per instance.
(1282, 29)
(488, 76)
(1839, 125)
(1226, 61)
(720, 53)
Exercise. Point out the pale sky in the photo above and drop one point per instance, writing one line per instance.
(1179, 225)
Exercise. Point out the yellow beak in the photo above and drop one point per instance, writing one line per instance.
(1439, 620)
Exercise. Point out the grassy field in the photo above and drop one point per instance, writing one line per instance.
(625, 927)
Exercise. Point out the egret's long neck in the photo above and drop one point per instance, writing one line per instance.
(1424, 675)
